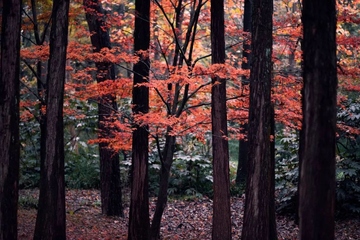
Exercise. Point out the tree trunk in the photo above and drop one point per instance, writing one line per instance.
(41, 82)
(110, 186)
(50, 221)
(317, 140)
(139, 203)
(241, 171)
(243, 143)
(9, 118)
(167, 160)
(221, 228)
(41, 90)
(174, 106)
(259, 210)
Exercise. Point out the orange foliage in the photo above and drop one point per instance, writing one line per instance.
(180, 91)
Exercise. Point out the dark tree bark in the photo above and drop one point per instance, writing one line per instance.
(221, 228)
(259, 218)
(50, 221)
(110, 186)
(243, 143)
(139, 223)
(317, 140)
(9, 118)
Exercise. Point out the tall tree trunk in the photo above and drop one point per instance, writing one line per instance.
(9, 118)
(317, 140)
(110, 186)
(221, 228)
(50, 221)
(259, 210)
(243, 143)
(139, 203)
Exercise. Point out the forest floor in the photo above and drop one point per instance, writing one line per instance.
(183, 219)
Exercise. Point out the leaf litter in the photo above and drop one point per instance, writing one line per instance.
(182, 219)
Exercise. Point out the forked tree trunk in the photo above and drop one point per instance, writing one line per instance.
(167, 160)
(110, 185)
(9, 118)
(259, 220)
(139, 223)
(50, 221)
(221, 229)
(175, 107)
(317, 140)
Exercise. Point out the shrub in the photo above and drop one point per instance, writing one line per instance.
(82, 169)
(348, 161)
(286, 170)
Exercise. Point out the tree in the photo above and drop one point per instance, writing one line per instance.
(259, 220)
(221, 228)
(9, 118)
(318, 134)
(50, 221)
(110, 185)
(40, 79)
(176, 96)
(139, 223)
(243, 143)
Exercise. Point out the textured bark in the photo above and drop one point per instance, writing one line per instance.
(139, 203)
(317, 140)
(110, 186)
(243, 143)
(50, 221)
(259, 220)
(9, 118)
(221, 228)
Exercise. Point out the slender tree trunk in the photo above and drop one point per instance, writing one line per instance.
(167, 160)
(110, 186)
(317, 140)
(174, 109)
(139, 203)
(243, 143)
(9, 118)
(259, 220)
(50, 221)
(221, 228)
(41, 90)
(41, 82)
